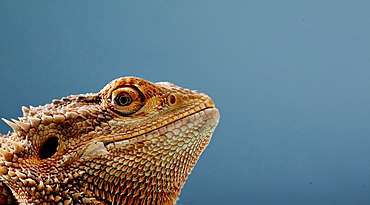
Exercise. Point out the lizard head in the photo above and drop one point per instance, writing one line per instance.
(134, 142)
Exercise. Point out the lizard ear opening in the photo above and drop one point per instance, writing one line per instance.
(49, 148)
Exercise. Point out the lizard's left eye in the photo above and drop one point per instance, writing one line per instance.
(123, 99)
(126, 100)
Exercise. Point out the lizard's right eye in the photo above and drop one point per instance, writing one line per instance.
(126, 100)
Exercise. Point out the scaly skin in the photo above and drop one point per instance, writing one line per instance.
(134, 142)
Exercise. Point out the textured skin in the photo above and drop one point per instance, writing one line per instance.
(134, 142)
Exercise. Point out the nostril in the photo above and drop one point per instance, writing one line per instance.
(49, 148)
(173, 100)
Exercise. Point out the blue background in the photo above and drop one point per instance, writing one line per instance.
(291, 79)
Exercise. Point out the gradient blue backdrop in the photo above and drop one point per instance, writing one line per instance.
(291, 79)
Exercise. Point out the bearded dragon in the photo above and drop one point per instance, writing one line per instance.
(134, 142)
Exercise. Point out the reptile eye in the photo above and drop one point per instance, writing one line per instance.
(126, 100)
(123, 99)
(49, 148)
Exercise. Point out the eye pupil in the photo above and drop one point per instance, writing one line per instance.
(123, 99)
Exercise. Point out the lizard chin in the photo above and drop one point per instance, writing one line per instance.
(165, 157)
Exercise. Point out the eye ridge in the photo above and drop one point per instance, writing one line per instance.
(123, 99)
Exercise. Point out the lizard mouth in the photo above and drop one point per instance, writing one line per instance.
(207, 116)
(179, 134)
(176, 116)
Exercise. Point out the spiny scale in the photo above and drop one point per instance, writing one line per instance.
(134, 142)
(25, 126)
(14, 126)
(25, 110)
(18, 147)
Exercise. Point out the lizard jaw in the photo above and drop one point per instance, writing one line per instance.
(212, 111)
(169, 153)
(209, 116)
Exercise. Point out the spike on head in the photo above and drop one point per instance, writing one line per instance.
(14, 126)
(25, 110)
(25, 126)
(34, 121)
